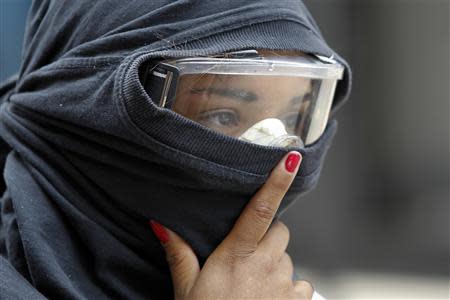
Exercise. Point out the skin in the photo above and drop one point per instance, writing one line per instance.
(231, 104)
(251, 262)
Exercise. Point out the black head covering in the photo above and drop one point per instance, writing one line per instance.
(92, 159)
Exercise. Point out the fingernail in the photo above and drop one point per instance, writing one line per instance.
(292, 162)
(159, 231)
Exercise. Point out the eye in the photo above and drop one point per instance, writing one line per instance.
(219, 119)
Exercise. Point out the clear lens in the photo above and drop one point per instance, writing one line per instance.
(268, 100)
(233, 104)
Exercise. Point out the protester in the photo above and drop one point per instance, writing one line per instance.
(92, 158)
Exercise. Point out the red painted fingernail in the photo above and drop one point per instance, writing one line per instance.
(292, 162)
(159, 231)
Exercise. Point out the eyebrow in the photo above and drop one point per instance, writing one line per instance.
(235, 94)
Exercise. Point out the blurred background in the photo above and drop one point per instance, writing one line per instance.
(377, 226)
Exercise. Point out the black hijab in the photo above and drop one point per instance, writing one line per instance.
(90, 159)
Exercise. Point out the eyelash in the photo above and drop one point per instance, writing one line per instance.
(209, 118)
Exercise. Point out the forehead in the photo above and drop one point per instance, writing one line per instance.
(250, 80)
(256, 83)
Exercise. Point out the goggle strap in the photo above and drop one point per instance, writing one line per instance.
(160, 83)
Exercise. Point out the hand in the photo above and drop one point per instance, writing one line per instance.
(251, 261)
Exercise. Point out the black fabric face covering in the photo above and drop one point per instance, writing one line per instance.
(93, 159)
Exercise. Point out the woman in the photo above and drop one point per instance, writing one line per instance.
(93, 158)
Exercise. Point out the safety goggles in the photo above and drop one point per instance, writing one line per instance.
(262, 98)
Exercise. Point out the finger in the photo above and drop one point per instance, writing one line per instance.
(276, 240)
(304, 289)
(183, 263)
(259, 212)
(281, 274)
(287, 266)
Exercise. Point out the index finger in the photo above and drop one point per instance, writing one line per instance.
(258, 214)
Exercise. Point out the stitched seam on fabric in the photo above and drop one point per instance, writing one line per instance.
(82, 67)
(198, 35)
(246, 24)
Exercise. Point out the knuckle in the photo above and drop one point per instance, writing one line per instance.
(287, 266)
(287, 258)
(266, 261)
(284, 230)
(304, 287)
(264, 211)
(176, 259)
(238, 255)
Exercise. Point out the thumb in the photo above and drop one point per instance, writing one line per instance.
(183, 262)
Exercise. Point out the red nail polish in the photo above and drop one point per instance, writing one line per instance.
(159, 231)
(292, 162)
